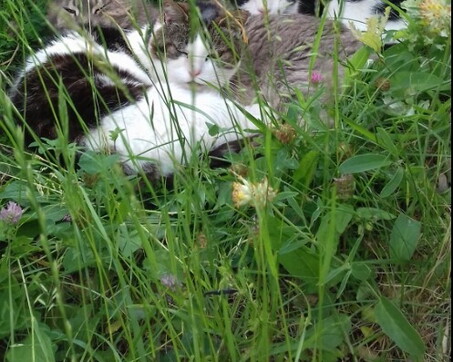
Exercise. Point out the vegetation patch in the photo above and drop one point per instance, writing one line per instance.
(316, 243)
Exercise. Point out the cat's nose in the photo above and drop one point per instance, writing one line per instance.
(194, 72)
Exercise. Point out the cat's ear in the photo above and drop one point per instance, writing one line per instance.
(174, 11)
(237, 17)
(240, 15)
(209, 11)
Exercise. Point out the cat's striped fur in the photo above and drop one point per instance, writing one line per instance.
(125, 14)
(116, 101)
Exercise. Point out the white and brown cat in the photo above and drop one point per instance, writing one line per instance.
(122, 105)
(153, 102)
(347, 11)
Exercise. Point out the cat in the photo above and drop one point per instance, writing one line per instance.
(80, 72)
(272, 55)
(357, 13)
(279, 53)
(348, 11)
(125, 14)
(170, 47)
(152, 125)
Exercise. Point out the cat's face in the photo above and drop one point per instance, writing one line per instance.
(256, 7)
(69, 14)
(208, 55)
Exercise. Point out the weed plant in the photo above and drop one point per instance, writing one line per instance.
(318, 243)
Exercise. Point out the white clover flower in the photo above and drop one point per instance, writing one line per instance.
(255, 194)
(242, 193)
(436, 14)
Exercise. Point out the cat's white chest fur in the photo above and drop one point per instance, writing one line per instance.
(358, 12)
(256, 7)
(166, 125)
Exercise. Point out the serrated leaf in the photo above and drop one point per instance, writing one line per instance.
(362, 163)
(404, 238)
(397, 327)
(375, 26)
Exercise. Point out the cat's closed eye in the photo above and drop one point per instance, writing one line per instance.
(182, 52)
(212, 56)
(71, 11)
(168, 50)
(98, 10)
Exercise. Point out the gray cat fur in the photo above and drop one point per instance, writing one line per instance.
(125, 14)
(279, 52)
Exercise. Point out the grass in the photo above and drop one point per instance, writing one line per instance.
(349, 261)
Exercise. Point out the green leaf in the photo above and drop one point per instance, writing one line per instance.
(393, 184)
(364, 293)
(404, 238)
(362, 163)
(53, 212)
(333, 224)
(76, 259)
(307, 167)
(372, 36)
(386, 141)
(360, 271)
(128, 241)
(340, 218)
(418, 81)
(335, 328)
(33, 348)
(213, 129)
(93, 163)
(396, 326)
(373, 214)
(356, 62)
(15, 190)
(361, 130)
(13, 315)
(302, 263)
(285, 195)
(331, 335)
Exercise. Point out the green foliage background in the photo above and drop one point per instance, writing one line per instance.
(349, 261)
